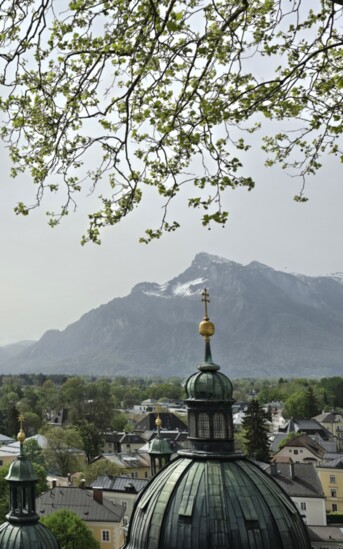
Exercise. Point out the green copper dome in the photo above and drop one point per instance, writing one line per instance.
(33, 536)
(215, 504)
(160, 446)
(21, 470)
(208, 384)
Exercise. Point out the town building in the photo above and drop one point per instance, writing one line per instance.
(120, 490)
(310, 427)
(133, 464)
(332, 421)
(301, 483)
(331, 478)
(302, 449)
(122, 442)
(104, 518)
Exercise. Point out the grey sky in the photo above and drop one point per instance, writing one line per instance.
(48, 280)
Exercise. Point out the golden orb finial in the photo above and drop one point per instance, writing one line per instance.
(21, 435)
(206, 327)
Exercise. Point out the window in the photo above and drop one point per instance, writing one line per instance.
(303, 506)
(295, 451)
(332, 479)
(203, 426)
(145, 474)
(105, 535)
(219, 426)
(334, 507)
(333, 493)
(124, 504)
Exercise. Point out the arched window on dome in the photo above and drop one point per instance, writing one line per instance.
(192, 424)
(219, 426)
(204, 426)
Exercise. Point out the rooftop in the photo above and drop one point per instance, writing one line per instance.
(80, 502)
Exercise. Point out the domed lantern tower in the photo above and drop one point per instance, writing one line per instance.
(212, 497)
(23, 529)
(209, 402)
(159, 449)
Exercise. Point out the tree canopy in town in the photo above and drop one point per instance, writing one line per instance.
(119, 97)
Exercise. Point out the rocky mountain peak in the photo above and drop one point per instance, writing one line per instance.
(268, 323)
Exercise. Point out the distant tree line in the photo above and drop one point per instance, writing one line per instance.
(96, 405)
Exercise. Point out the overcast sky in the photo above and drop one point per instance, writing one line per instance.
(48, 280)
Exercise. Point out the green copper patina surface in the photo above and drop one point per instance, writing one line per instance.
(21, 470)
(211, 503)
(32, 536)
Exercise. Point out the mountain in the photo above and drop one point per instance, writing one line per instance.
(13, 349)
(268, 323)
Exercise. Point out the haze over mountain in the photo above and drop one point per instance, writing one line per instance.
(268, 323)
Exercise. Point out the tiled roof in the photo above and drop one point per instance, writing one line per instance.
(129, 438)
(127, 459)
(80, 502)
(325, 533)
(309, 426)
(5, 438)
(119, 484)
(335, 463)
(326, 417)
(305, 441)
(330, 446)
(305, 481)
(169, 421)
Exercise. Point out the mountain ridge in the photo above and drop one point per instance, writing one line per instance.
(268, 322)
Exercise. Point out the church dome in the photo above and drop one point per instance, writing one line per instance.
(215, 504)
(33, 536)
(21, 470)
(160, 445)
(208, 384)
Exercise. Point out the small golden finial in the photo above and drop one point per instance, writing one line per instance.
(158, 421)
(206, 327)
(21, 435)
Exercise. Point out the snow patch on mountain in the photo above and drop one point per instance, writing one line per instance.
(187, 288)
(337, 276)
(184, 289)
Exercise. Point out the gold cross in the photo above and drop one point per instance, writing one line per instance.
(21, 419)
(205, 299)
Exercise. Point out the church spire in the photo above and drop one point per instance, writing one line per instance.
(22, 479)
(206, 327)
(209, 399)
(159, 449)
